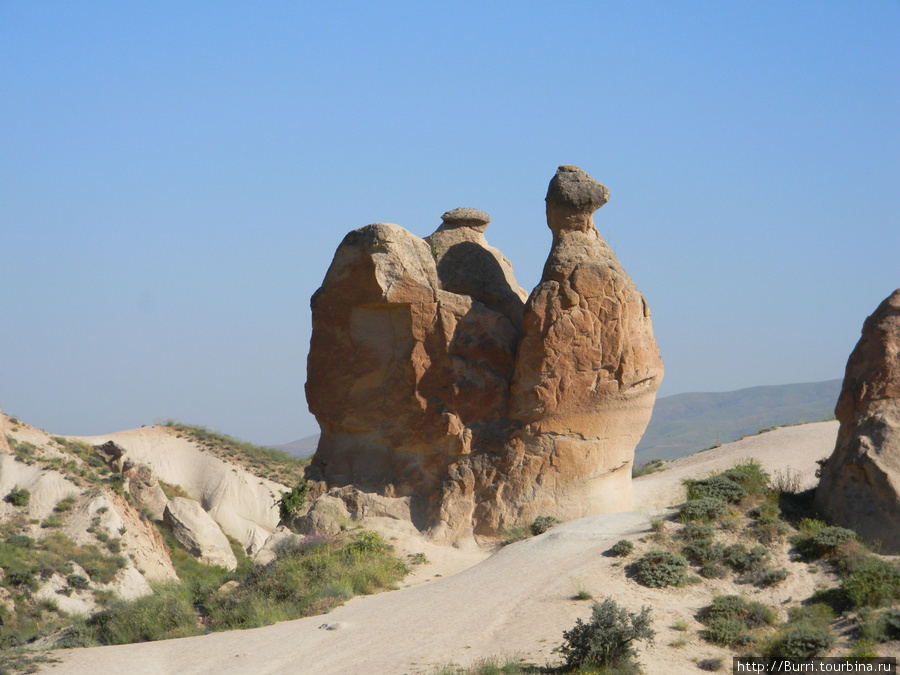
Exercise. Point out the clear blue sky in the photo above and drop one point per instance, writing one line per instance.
(175, 178)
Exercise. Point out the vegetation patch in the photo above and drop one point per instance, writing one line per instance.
(542, 523)
(276, 465)
(608, 638)
(654, 465)
(312, 578)
(730, 619)
(806, 634)
(658, 569)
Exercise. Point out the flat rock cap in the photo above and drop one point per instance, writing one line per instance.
(574, 188)
(466, 217)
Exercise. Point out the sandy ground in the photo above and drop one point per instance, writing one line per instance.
(516, 602)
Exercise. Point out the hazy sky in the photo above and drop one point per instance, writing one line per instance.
(175, 178)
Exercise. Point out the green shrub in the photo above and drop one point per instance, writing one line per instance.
(873, 583)
(716, 487)
(658, 569)
(703, 508)
(368, 542)
(750, 613)
(64, 505)
(771, 577)
(693, 530)
(738, 558)
(652, 466)
(607, 639)
(729, 616)
(752, 478)
(53, 520)
(802, 641)
(77, 582)
(622, 548)
(713, 570)
(816, 539)
(710, 665)
(723, 631)
(700, 551)
(20, 541)
(18, 497)
(291, 502)
(542, 523)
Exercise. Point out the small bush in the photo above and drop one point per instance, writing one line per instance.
(53, 520)
(802, 641)
(729, 616)
(622, 548)
(873, 583)
(368, 542)
(710, 665)
(658, 569)
(751, 477)
(543, 523)
(771, 577)
(291, 502)
(694, 530)
(816, 539)
(646, 468)
(723, 631)
(64, 505)
(738, 558)
(20, 541)
(704, 508)
(607, 639)
(713, 570)
(76, 581)
(18, 497)
(716, 487)
(700, 551)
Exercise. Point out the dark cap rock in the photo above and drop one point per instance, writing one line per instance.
(467, 217)
(575, 189)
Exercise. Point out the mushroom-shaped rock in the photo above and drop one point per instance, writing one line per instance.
(572, 198)
(466, 217)
(195, 529)
(860, 483)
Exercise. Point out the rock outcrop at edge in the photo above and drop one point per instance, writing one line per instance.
(860, 482)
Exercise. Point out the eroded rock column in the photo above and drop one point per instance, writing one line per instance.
(860, 483)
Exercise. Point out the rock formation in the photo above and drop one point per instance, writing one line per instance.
(195, 529)
(433, 379)
(860, 483)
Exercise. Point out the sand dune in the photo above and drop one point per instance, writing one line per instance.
(517, 601)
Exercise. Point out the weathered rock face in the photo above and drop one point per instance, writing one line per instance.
(199, 533)
(433, 379)
(860, 482)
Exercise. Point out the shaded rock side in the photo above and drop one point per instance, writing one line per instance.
(196, 530)
(432, 379)
(860, 482)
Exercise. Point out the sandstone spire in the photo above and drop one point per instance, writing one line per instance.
(860, 482)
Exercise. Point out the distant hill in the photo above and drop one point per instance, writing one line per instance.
(685, 423)
(305, 447)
